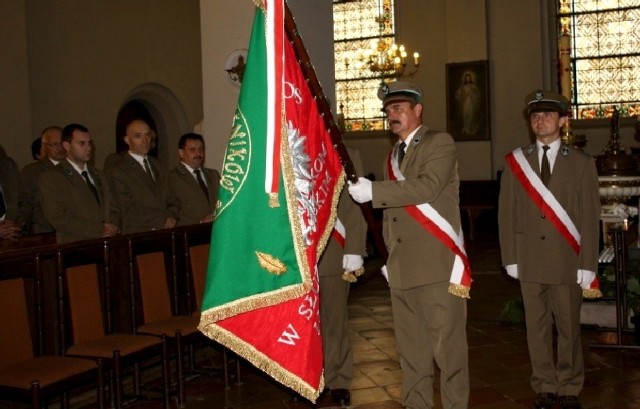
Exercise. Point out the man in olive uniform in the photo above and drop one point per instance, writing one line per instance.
(53, 153)
(12, 199)
(427, 266)
(73, 195)
(195, 186)
(340, 263)
(139, 185)
(549, 214)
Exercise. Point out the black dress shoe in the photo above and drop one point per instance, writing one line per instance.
(545, 400)
(342, 397)
(569, 402)
(325, 400)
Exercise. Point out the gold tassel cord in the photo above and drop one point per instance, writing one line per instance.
(352, 276)
(591, 293)
(273, 200)
(459, 290)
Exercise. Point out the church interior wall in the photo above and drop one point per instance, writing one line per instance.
(84, 59)
(65, 61)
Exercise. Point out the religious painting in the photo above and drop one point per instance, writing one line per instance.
(468, 100)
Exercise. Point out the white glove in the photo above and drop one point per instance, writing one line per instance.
(361, 192)
(384, 272)
(512, 270)
(585, 278)
(352, 262)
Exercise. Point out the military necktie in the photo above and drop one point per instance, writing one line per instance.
(203, 186)
(401, 152)
(3, 205)
(147, 169)
(545, 168)
(91, 186)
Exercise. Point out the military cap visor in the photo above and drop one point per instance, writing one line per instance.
(401, 96)
(546, 101)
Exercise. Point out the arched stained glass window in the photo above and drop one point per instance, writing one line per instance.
(355, 26)
(605, 55)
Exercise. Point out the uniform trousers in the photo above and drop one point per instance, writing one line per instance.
(430, 325)
(338, 356)
(545, 304)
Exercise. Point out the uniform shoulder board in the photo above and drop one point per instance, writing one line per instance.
(530, 149)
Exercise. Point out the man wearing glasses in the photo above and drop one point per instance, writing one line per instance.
(53, 153)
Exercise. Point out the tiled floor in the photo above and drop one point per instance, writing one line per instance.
(499, 364)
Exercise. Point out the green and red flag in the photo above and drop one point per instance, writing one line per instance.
(281, 180)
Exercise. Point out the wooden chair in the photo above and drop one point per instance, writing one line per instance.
(25, 376)
(150, 279)
(83, 291)
(198, 263)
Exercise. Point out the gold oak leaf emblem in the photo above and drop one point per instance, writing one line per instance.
(271, 264)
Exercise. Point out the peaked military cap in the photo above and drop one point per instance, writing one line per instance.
(541, 101)
(399, 91)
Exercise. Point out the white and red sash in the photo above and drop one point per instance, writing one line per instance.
(339, 233)
(439, 227)
(549, 205)
(543, 198)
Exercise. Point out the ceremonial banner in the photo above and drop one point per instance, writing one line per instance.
(280, 186)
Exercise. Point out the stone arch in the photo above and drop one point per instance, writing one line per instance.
(167, 114)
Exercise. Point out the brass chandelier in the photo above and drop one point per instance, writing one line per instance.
(385, 57)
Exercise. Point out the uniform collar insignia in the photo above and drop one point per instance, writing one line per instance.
(530, 149)
(416, 139)
(68, 171)
(564, 151)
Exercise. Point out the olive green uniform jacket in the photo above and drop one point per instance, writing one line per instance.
(527, 237)
(192, 203)
(416, 257)
(140, 203)
(69, 204)
(30, 176)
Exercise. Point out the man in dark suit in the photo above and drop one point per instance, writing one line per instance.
(53, 153)
(73, 195)
(339, 264)
(12, 199)
(427, 267)
(195, 186)
(549, 214)
(139, 185)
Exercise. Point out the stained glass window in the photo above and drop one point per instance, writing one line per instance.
(605, 55)
(355, 26)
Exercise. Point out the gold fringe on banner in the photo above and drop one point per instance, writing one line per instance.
(263, 362)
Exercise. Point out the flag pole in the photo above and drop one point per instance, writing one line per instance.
(325, 111)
